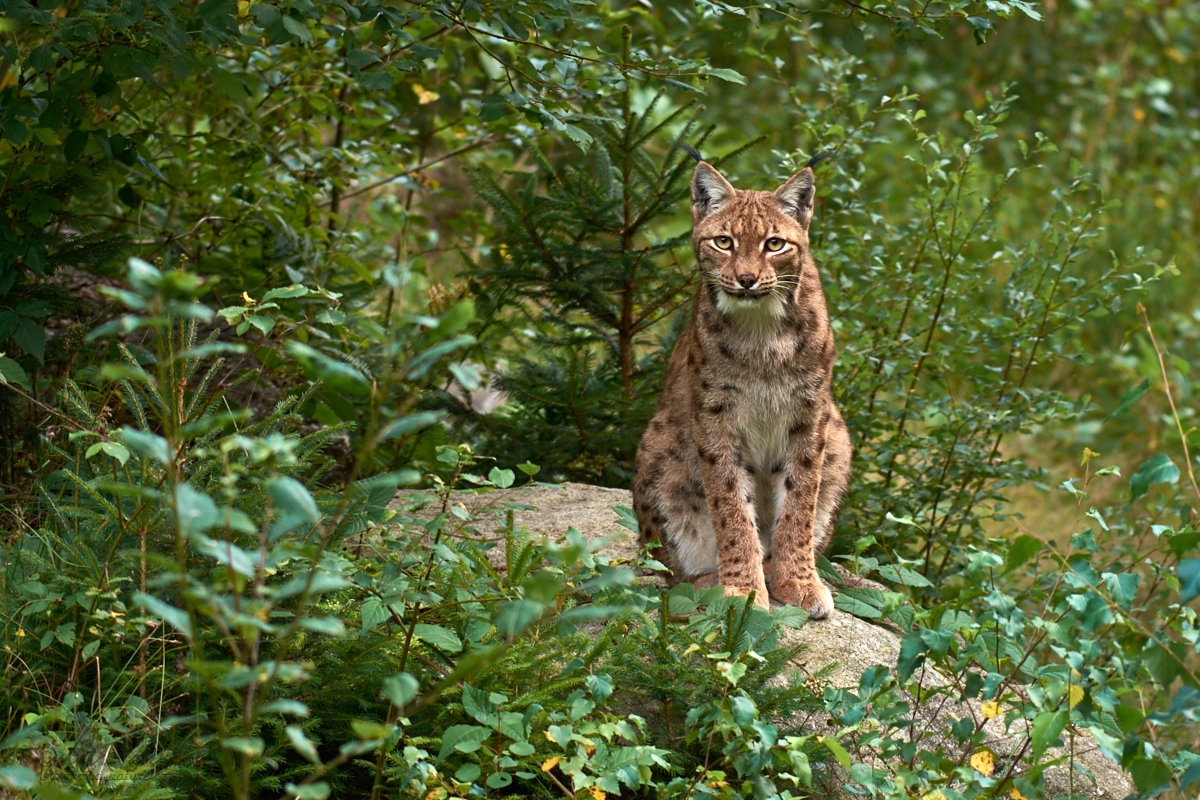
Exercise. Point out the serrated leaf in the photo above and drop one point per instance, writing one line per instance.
(11, 372)
(439, 637)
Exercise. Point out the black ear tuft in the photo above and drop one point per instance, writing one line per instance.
(819, 157)
(691, 151)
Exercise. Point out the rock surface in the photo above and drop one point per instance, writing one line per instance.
(843, 645)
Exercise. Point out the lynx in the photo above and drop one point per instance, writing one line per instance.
(742, 467)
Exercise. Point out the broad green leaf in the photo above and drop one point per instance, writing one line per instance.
(503, 478)
(147, 445)
(439, 637)
(247, 745)
(18, 778)
(196, 512)
(1046, 729)
(11, 372)
(317, 790)
(1129, 398)
(338, 375)
(408, 424)
(732, 76)
(1189, 579)
(302, 743)
(400, 689)
(1159, 469)
(1021, 550)
(177, 618)
(463, 738)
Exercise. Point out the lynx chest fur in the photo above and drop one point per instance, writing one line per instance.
(740, 473)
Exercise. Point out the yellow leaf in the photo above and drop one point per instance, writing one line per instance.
(247, 298)
(1088, 455)
(1074, 695)
(596, 792)
(983, 762)
(990, 709)
(1015, 794)
(424, 96)
(549, 738)
(550, 763)
(243, 7)
(936, 794)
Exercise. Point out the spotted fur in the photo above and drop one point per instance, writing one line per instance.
(742, 467)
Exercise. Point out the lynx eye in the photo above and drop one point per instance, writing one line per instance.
(775, 244)
(723, 242)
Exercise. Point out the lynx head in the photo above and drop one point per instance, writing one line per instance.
(750, 244)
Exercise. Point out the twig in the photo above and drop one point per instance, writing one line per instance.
(1162, 366)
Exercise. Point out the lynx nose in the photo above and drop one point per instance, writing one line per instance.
(747, 280)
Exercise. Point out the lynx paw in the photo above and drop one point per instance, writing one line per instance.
(761, 596)
(811, 595)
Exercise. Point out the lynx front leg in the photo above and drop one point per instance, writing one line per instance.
(794, 579)
(739, 552)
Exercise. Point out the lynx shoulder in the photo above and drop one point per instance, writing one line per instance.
(739, 475)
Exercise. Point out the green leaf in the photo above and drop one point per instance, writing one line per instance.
(1129, 398)
(302, 744)
(18, 778)
(1046, 729)
(1023, 548)
(147, 445)
(839, 752)
(288, 292)
(297, 28)
(338, 375)
(400, 689)
(318, 790)
(1189, 579)
(195, 512)
(439, 637)
(729, 75)
(863, 602)
(498, 780)
(247, 745)
(372, 612)
(294, 505)
(30, 336)
(413, 422)
(11, 372)
(420, 365)
(177, 618)
(503, 478)
(467, 773)
(1149, 774)
(1159, 469)
(463, 738)
(852, 40)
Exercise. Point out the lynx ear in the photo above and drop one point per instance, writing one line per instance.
(796, 196)
(710, 191)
